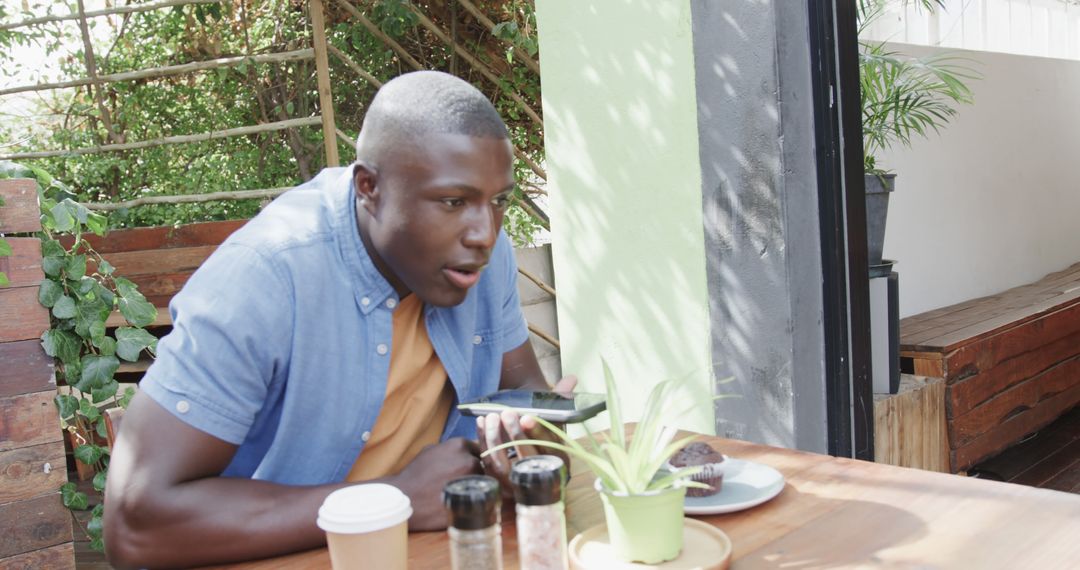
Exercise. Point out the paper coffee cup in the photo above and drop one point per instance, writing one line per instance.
(366, 527)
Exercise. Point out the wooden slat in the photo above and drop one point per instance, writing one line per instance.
(973, 391)
(1015, 318)
(1012, 342)
(1015, 428)
(928, 329)
(21, 315)
(161, 285)
(163, 319)
(23, 266)
(59, 557)
(32, 525)
(1024, 399)
(26, 368)
(20, 212)
(28, 419)
(162, 237)
(28, 472)
(149, 262)
(909, 426)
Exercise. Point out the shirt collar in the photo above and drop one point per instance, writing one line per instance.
(371, 289)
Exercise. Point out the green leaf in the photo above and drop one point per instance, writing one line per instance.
(97, 371)
(97, 544)
(97, 332)
(97, 223)
(98, 510)
(61, 344)
(105, 268)
(62, 217)
(102, 430)
(75, 267)
(88, 410)
(86, 285)
(73, 498)
(99, 484)
(66, 404)
(90, 314)
(105, 392)
(138, 311)
(64, 308)
(131, 341)
(88, 453)
(5, 248)
(52, 266)
(107, 346)
(49, 292)
(4, 282)
(52, 248)
(129, 393)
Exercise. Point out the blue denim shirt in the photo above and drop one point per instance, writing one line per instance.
(281, 340)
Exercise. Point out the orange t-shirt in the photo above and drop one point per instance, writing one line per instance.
(417, 402)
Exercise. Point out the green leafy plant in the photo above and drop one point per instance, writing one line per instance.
(81, 291)
(905, 97)
(631, 465)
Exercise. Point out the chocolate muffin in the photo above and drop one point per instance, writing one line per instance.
(701, 454)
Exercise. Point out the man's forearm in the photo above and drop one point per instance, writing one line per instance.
(212, 520)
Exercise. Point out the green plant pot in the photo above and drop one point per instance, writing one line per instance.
(645, 528)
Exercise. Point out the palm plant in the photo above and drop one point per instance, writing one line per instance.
(904, 97)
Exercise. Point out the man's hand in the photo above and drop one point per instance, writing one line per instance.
(495, 429)
(424, 478)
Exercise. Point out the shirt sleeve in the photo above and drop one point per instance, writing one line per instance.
(515, 330)
(232, 329)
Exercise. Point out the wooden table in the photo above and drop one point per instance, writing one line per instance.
(839, 513)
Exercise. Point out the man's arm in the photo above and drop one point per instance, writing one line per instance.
(168, 506)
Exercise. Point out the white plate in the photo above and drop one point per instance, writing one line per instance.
(746, 484)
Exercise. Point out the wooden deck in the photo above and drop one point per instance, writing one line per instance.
(1049, 458)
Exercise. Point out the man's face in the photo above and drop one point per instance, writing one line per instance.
(434, 212)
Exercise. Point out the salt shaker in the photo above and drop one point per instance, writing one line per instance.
(541, 519)
(475, 533)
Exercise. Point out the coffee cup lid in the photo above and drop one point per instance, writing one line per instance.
(363, 508)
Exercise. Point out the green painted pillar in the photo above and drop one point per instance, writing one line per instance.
(626, 206)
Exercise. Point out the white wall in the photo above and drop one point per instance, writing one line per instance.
(1049, 28)
(994, 200)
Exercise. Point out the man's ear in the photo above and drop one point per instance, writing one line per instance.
(365, 185)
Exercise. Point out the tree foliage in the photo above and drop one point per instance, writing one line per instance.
(246, 94)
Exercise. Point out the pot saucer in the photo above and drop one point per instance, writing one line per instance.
(705, 547)
(746, 484)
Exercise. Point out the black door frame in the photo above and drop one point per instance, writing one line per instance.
(842, 209)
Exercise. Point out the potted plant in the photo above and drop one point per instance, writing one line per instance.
(643, 503)
(902, 97)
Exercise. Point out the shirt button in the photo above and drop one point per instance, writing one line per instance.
(390, 303)
(365, 436)
(381, 349)
(477, 339)
(183, 406)
(365, 301)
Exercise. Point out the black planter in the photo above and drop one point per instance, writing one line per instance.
(878, 188)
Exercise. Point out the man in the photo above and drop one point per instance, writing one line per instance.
(326, 342)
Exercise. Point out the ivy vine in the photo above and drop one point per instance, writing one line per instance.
(81, 291)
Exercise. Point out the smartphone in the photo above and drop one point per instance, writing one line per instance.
(550, 406)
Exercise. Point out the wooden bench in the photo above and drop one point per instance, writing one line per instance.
(159, 260)
(1010, 361)
(37, 528)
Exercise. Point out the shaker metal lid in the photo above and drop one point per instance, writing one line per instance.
(538, 480)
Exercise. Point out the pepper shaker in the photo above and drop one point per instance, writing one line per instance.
(475, 533)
